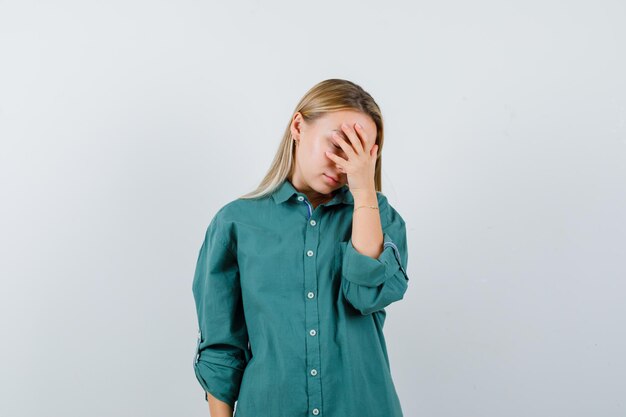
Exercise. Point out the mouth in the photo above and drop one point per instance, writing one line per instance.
(335, 180)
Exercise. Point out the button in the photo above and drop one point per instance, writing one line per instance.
(315, 411)
(310, 295)
(309, 253)
(313, 372)
(313, 223)
(312, 332)
(300, 198)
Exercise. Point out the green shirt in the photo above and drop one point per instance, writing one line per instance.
(290, 315)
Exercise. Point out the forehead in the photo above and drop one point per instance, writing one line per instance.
(333, 120)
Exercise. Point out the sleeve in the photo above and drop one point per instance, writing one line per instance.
(222, 350)
(370, 284)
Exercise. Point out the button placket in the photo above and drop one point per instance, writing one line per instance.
(308, 206)
(313, 358)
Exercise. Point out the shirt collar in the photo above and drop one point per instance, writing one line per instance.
(286, 190)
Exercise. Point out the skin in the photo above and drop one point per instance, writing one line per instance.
(218, 408)
(314, 139)
(335, 145)
(341, 144)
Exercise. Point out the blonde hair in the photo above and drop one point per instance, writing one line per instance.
(326, 96)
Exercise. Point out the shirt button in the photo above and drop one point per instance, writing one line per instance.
(315, 411)
(309, 253)
(312, 332)
(310, 295)
(300, 198)
(313, 372)
(313, 222)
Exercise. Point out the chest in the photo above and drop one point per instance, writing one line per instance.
(277, 250)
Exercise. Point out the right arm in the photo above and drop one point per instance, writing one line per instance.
(222, 352)
(219, 408)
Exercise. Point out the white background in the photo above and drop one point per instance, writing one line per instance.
(124, 126)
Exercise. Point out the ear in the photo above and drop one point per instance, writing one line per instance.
(296, 126)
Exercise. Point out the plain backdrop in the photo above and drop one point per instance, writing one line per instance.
(125, 125)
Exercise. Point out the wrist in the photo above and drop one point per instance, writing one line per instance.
(365, 197)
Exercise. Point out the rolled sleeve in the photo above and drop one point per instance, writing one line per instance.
(371, 272)
(222, 350)
(371, 284)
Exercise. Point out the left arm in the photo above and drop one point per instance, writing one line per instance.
(375, 258)
(367, 231)
(371, 283)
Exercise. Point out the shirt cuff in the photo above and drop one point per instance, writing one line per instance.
(219, 376)
(371, 272)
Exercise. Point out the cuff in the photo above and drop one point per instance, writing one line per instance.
(221, 377)
(371, 272)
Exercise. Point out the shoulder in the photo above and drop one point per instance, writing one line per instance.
(233, 214)
(241, 209)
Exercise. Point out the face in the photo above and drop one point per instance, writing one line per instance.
(313, 167)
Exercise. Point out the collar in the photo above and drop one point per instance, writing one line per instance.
(286, 190)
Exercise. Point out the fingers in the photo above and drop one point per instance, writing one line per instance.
(353, 136)
(374, 152)
(336, 159)
(358, 145)
(349, 150)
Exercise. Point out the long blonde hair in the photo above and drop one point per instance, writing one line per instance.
(326, 96)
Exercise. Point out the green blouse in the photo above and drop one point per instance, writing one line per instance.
(290, 315)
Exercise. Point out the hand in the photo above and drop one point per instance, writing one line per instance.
(361, 152)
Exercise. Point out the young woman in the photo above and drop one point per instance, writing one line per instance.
(292, 280)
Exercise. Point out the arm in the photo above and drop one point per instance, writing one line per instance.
(371, 279)
(219, 408)
(370, 283)
(367, 233)
(222, 352)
